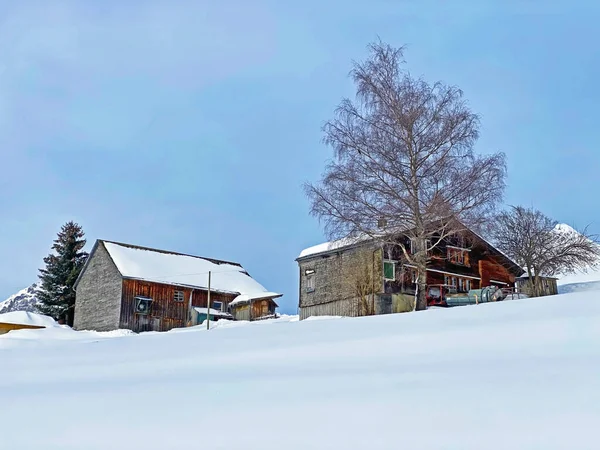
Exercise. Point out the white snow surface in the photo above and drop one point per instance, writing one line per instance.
(589, 276)
(28, 318)
(184, 270)
(509, 375)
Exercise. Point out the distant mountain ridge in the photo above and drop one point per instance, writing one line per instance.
(24, 300)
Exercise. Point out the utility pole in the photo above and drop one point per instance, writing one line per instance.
(208, 305)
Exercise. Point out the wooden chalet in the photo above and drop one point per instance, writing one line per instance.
(460, 263)
(145, 289)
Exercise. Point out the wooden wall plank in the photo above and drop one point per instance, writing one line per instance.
(165, 313)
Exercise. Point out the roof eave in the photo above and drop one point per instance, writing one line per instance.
(87, 261)
(335, 250)
(183, 285)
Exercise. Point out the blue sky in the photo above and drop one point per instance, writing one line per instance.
(191, 125)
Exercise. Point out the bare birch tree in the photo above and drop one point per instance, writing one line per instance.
(362, 279)
(542, 247)
(404, 162)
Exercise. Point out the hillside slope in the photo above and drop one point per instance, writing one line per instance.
(510, 375)
(579, 282)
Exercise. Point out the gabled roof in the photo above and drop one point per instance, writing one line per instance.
(161, 266)
(350, 242)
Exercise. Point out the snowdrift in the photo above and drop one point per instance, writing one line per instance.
(28, 318)
(510, 375)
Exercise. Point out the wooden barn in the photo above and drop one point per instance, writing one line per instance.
(362, 276)
(145, 289)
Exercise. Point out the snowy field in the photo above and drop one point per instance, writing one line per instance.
(523, 374)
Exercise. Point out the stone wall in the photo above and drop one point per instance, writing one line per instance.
(333, 278)
(98, 296)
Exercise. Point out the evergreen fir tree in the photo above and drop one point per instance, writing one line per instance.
(57, 297)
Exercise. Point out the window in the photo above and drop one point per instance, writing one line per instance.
(461, 284)
(310, 283)
(389, 270)
(435, 292)
(451, 283)
(217, 305)
(413, 246)
(179, 296)
(457, 256)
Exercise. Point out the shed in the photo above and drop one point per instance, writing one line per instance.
(257, 307)
(549, 285)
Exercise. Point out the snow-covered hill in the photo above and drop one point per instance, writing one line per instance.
(508, 375)
(24, 300)
(579, 287)
(580, 281)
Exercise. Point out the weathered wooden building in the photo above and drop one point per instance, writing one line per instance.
(548, 285)
(362, 276)
(144, 289)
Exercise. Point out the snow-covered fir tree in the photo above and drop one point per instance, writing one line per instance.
(63, 265)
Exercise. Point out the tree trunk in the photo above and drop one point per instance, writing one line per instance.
(422, 289)
(364, 305)
(537, 285)
(531, 284)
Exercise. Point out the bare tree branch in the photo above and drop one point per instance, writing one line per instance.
(403, 156)
(542, 247)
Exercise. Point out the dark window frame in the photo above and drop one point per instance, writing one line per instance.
(393, 268)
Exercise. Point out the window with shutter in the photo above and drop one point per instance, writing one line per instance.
(389, 270)
(310, 283)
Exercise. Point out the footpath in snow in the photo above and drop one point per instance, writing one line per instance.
(523, 374)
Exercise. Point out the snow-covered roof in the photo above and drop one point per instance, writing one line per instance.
(525, 276)
(161, 266)
(350, 241)
(27, 318)
(332, 245)
(213, 312)
(244, 298)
